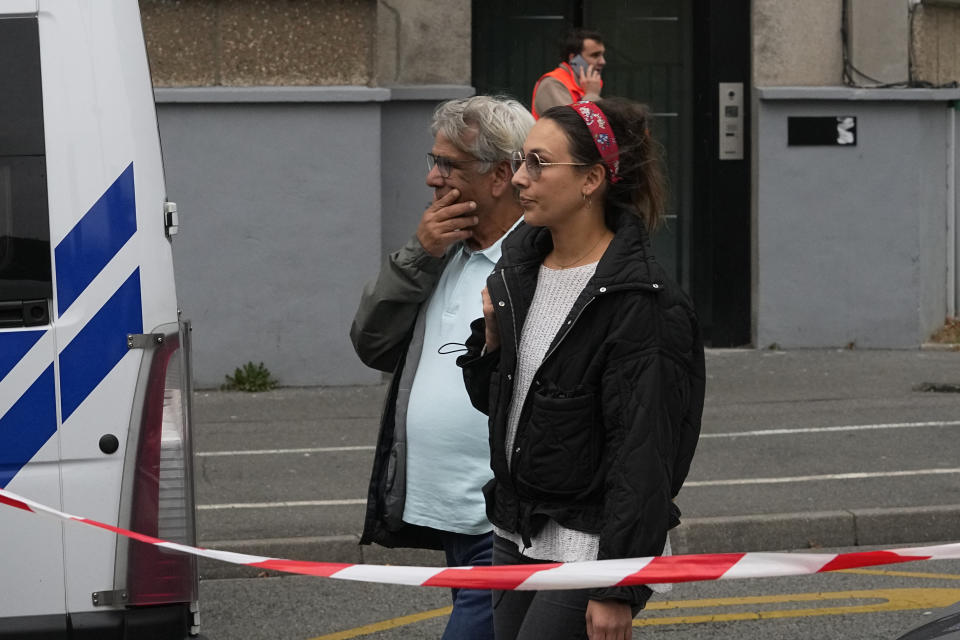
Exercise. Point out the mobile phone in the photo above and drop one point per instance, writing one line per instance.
(578, 63)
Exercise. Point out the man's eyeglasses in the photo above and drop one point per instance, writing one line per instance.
(535, 165)
(445, 165)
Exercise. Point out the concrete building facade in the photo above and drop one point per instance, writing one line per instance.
(855, 245)
(294, 135)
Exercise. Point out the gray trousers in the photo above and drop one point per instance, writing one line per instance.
(537, 615)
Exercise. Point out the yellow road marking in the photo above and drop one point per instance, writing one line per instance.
(891, 600)
(886, 600)
(903, 574)
(385, 625)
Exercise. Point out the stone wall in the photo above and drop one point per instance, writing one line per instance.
(240, 43)
(797, 43)
(800, 43)
(936, 44)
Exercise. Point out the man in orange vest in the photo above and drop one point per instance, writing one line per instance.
(570, 81)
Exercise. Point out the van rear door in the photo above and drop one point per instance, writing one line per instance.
(124, 446)
(94, 378)
(31, 568)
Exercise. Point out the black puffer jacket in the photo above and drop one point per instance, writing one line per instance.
(611, 421)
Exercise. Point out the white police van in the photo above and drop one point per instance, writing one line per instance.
(94, 379)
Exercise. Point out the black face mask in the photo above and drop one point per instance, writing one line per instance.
(452, 347)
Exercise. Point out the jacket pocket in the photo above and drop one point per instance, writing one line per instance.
(490, 498)
(394, 487)
(558, 454)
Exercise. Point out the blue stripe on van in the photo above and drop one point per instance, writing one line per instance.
(27, 426)
(93, 242)
(13, 346)
(100, 345)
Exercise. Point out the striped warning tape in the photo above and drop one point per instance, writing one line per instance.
(573, 575)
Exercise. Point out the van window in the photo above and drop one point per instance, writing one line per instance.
(24, 230)
(24, 225)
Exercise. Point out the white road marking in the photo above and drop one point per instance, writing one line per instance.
(831, 476)
(730, 434)
(686, 485)
(274, 505)
(270, 452)
(849, 427)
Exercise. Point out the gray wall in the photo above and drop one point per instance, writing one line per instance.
(405, 141)
(280, 194)
(850, 242)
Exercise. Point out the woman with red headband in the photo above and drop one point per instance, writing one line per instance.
(589, 362)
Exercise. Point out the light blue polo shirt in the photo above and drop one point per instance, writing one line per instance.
(448, 455)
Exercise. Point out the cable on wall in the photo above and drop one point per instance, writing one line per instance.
(851, 73)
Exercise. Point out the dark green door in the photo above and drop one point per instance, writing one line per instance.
(648, 60)
(516, 41)
(671, 55)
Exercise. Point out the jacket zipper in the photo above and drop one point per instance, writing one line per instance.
(567, 332)
(513, 315)
(515, 453)
(511, 458)
(654, 286)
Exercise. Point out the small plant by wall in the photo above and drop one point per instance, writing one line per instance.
(251, 377)
(949, 333)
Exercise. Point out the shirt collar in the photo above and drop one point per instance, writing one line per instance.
(492, 253)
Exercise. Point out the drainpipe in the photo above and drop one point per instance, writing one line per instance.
(952, 210)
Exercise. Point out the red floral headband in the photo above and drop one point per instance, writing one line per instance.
(602, 135)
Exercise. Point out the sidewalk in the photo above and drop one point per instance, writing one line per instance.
(799, 449)
(893, 479)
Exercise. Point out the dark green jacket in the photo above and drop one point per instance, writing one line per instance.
(387, 334)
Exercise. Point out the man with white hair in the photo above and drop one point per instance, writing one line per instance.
(433, 457)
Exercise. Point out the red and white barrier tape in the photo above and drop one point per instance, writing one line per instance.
(573, 575)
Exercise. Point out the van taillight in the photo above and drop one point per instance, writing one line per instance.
(162, 491)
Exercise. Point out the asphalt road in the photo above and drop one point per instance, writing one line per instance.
(799, 449)
(876, 604)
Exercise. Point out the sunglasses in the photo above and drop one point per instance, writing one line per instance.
(445, 165)
(535, 165)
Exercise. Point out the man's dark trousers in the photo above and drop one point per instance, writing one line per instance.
(472, 617)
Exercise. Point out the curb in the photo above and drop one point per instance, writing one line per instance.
(345, 549)
(940, 346)
(725, 534)
(873, 527)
